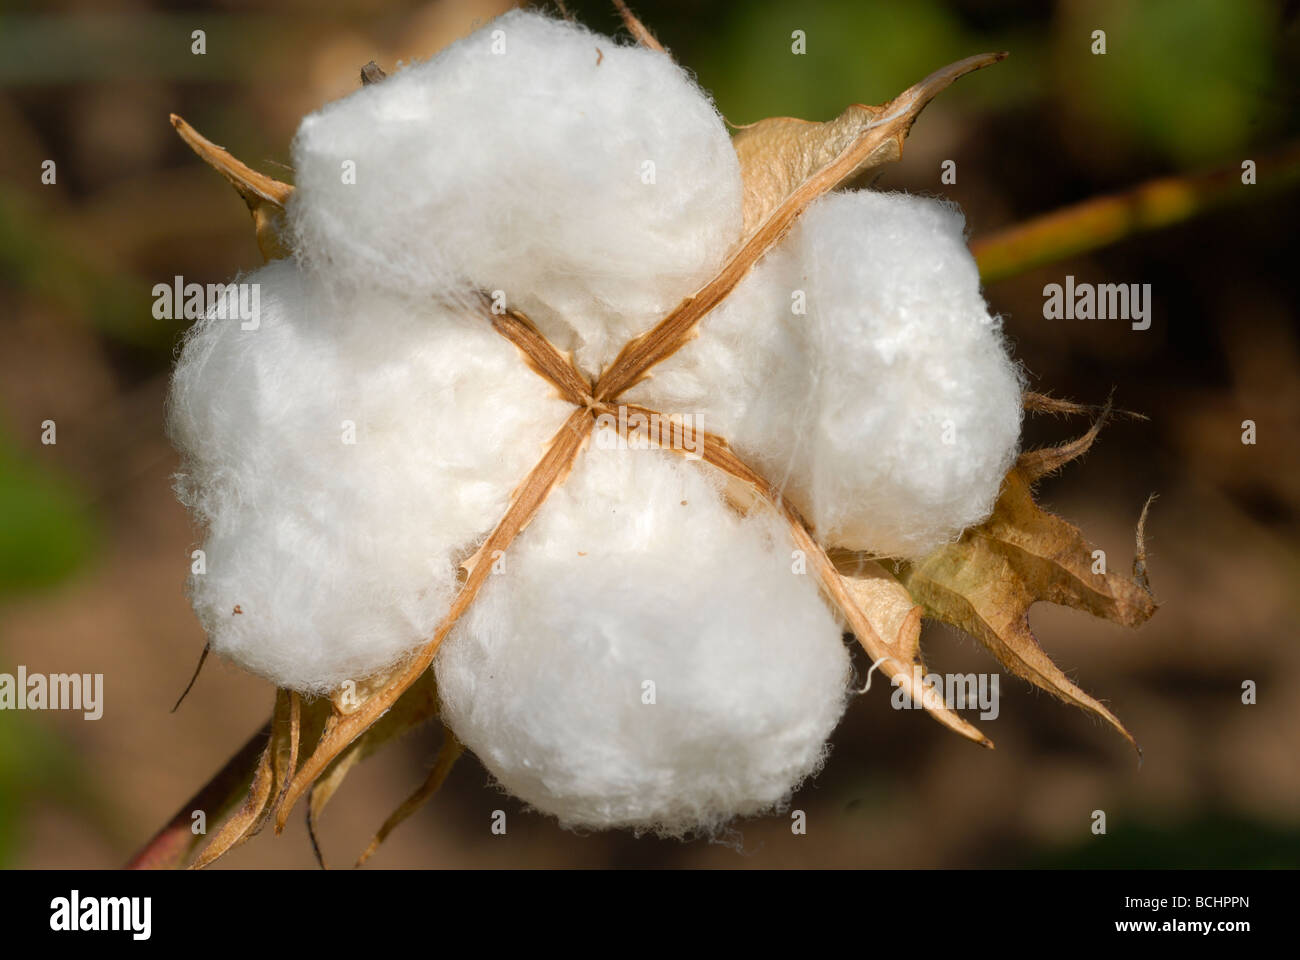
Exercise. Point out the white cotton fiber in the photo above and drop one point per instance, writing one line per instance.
(635, 572)
(593, 183)
(327, 560)
(890, 409)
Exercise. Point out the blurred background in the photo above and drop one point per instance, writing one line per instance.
(94, 549)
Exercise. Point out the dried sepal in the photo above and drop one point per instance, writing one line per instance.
(1045, 403)
(863, 605)
(248, 819)
(417, 706)
(985, 582)
(1033, 465)
(265, 196)
(780, 155)
(448, 754)
(896, 617)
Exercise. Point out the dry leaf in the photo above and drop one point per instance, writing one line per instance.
(780, 154)
(986, 582)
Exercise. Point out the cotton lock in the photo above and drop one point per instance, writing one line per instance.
(593, 184)
(646, 658)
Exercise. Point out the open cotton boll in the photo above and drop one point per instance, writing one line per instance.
(636, 573)
(593, 184)
(343, 456)
(890, 408)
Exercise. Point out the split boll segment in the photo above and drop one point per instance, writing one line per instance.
(523, 171)
(593, 184)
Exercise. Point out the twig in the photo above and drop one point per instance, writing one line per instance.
(1101, 221)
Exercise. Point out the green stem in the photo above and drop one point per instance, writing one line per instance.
(1104, 220)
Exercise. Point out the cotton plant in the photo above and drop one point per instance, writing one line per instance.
(591, 430)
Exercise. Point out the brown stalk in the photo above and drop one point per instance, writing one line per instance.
(1101, 221)
(637, 28)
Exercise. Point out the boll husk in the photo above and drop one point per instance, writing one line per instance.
(644, 656)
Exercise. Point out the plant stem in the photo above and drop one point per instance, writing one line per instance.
(1104, 220)
(220, 795)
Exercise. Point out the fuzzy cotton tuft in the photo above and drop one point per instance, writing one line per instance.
(637, 581)
(344, 457)
(889, 409)
(593, 184)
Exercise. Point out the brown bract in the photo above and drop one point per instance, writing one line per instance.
(786, 164)
(986, 582)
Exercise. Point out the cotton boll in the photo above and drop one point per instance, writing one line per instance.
(891, 409)
(327, 560)
(636, 572)
(594, 184)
